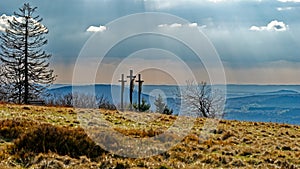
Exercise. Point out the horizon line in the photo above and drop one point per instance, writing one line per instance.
(240, 84)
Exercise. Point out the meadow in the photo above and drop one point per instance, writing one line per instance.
(53, 137)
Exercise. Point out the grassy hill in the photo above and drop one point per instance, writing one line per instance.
(52, 137)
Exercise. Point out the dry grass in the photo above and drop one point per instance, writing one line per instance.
(232, 144)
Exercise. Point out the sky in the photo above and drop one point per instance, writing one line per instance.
(257, 41)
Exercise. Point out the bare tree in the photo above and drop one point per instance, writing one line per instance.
(80, 100)
(25, 63)
(203, 100)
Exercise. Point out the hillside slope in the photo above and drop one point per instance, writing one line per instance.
(51, 137)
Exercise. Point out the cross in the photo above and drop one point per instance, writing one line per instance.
(122, 81)
(140, 82)
(131, 77)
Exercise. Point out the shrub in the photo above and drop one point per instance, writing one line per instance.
(61, 140)
(167, 111)
(138, 132)
(12, 128)
(227, 135)
(143, 107)
(80, 100)
(203, 99)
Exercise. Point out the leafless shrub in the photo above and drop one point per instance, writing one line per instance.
(80, 100)
(203, 100)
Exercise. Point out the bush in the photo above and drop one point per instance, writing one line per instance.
(61, 140)
(143, 107)
(12, 128)
(167, 111)
(80, 100)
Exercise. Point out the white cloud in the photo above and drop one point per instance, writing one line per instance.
(288, 0)
(217, 1)
(193, 25)
(284, 8)
(272, 26)
(174, 25)
(96, 29)
(4, 21)
(177, 25)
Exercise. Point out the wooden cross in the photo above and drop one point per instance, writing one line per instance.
(122, 81)
(140, 82)
(131, 77)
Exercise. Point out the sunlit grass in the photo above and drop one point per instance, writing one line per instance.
(232, 144)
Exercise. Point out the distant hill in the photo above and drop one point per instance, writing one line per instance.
(266, 103)
(281, 106)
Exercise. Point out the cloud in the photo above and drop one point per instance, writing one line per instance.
(217, 1)
(288, 1)
(280, 72)
(177, 25)
(174, 25)
(96, 29)
(4, 22)
(193, 25)
(284, 8)
(272, 26)
(228, 24)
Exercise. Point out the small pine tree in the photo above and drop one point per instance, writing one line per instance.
(144, 106)
(160, 105)
(167, 111)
